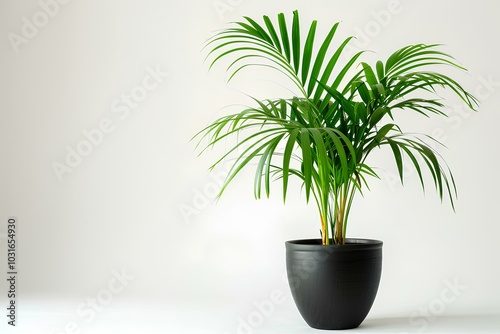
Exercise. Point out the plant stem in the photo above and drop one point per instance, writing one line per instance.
(339, 221)
(324, 231)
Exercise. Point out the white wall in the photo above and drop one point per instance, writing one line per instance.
(120, 206)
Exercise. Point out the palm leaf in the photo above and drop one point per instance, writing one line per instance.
(324, 134)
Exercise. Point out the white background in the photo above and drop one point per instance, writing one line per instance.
(141, 202)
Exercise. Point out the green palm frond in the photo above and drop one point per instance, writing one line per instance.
(275, 46)
(323, 135)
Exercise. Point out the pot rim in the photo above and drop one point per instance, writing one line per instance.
(351, 244)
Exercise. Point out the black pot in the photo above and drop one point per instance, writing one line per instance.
(334, 286)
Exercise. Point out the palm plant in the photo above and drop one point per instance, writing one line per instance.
(344, 109)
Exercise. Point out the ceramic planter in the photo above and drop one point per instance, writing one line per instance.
(334, 286)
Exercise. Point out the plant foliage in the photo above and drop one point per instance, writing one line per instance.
(344, 109)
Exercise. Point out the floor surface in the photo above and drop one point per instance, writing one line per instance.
(49, 318)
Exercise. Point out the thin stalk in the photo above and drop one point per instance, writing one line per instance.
(323, 190)
(352, 192)
(324, 231)
(324, 219)
(331, 216)
(339, 223)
